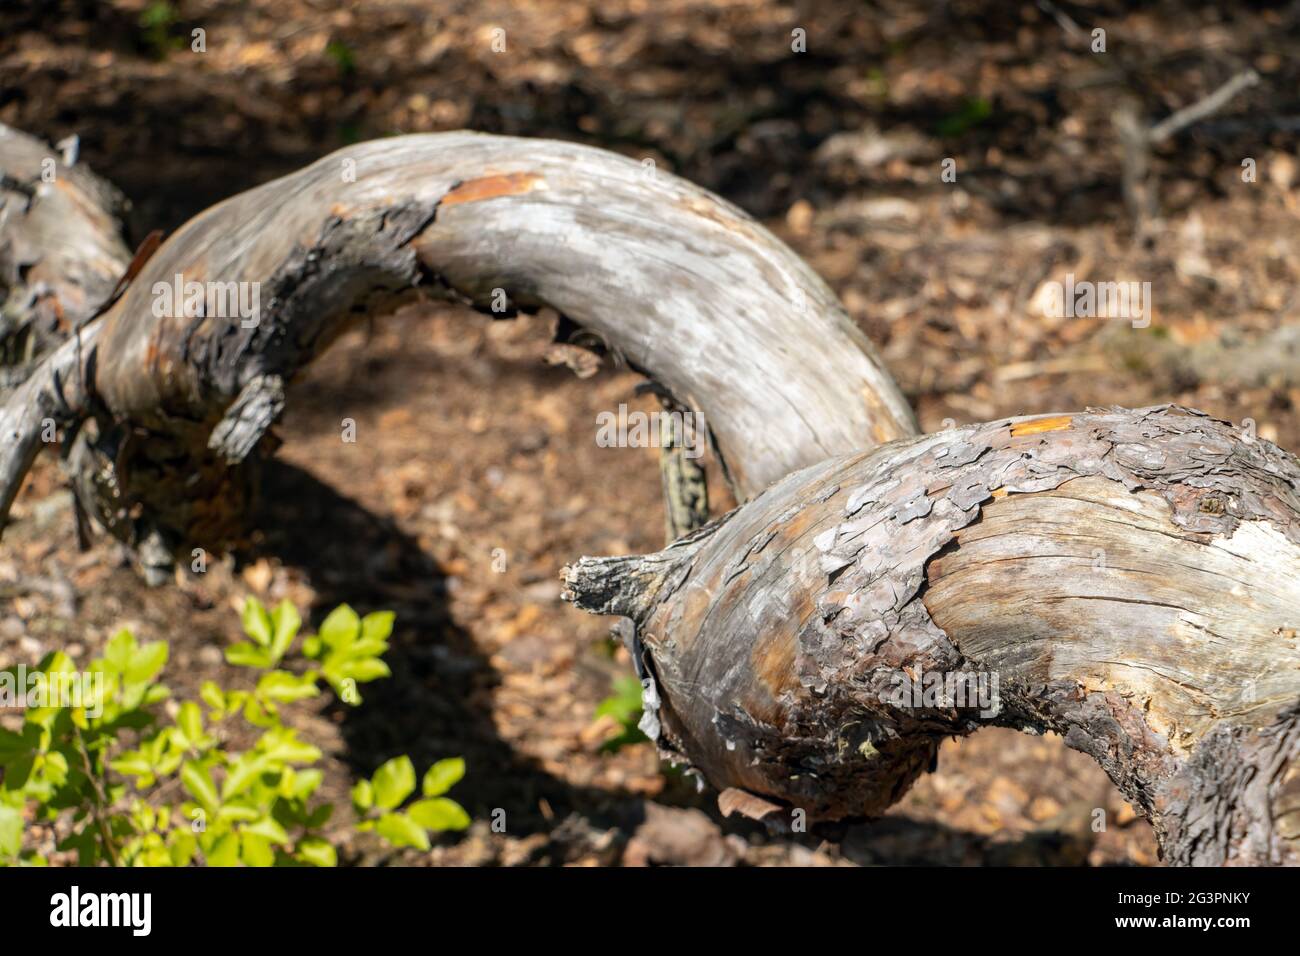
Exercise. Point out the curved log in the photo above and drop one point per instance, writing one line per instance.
(682, 285)
(1128, 579)
(61, 249)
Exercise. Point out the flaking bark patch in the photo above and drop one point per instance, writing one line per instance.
(61, 251)
(354, 261)
(843, 583)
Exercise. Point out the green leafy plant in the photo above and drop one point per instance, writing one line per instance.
(624, 705)
(972, 113)
(109, 768)
(344, 59)
(377, 801)
(156, 22)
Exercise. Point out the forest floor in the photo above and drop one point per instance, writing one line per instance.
(469, 446)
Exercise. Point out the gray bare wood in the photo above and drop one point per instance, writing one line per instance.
(682, 285)
(61, 249)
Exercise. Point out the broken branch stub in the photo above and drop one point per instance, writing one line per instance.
(1127, 579)
(685, 287)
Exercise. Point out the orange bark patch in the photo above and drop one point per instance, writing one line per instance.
(884, 427)
(491, 187)
(1039, 425)
(709, 209)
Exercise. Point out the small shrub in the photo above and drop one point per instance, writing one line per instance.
(156, 23)
(624, 705)
(76, 764)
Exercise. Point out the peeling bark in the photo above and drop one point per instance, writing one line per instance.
(61, 250)
(683, 286)
(1130, 579)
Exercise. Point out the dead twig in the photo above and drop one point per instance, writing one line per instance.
(1203, 108)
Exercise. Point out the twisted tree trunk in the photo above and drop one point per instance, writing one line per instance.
(1128, 579)
(682, 285)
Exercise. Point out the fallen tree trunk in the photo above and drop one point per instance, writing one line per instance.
(1128, 579)
(61, 250)
(680, 284)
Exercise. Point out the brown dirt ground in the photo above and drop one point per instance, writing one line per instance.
(468, 442)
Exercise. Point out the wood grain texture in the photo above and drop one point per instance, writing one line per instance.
(680, 284)
(61, 250)
(1128, 579)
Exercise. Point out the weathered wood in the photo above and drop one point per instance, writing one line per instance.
(682, 285)
(682, 475)
(61, 249)
(1128, 579)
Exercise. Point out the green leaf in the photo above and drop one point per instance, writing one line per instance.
(394, 782)
(283, 687)
(400, 830)
(341, 627)
(625, 705)
(181, 846)
(257, 715)
(241, 774)
(285, 622)
(439, 814)
(55, 768)
(282, 745)
(257, 623)
(213, 696)
(317, 852)
(363, 796)
(267, 828)
(190, 722)
(132, 763)
(146, 663)
(305, 783)
(225, 852)
(377, 626)
(442, 776)
(247, 655)
(320, 816)
(11, 830)
(255, 849)
(119, 650)
(234, 813)
(365, 670)
(364, 648)
(13, 746)
(18, 771)
(198, 781)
